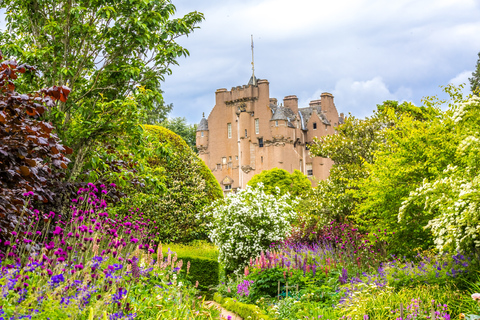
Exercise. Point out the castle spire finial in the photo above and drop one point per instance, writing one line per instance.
(254, 80)
(203, 114)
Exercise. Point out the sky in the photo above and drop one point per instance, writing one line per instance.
(362, 51)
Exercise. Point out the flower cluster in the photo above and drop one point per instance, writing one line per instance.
(246, 223)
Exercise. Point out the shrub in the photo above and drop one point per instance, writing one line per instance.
(204, 270)
(296, 183)
(202, 261)
(188, 187)
(246, 311)
(31, 156)
(246, 223)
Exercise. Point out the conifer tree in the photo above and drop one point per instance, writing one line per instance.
(475, 79)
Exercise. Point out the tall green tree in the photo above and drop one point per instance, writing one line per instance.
(475, 79)
(179, 125)
(113, 54)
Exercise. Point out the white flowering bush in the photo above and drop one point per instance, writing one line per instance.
(246, 223)
(454, 197)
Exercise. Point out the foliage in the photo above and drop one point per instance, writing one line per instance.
(188, 187)
(32, 159)
(94, 264)
(353, 150)
(157, 114)
(475, 79)
(296, 183)
(246, 223)
(452, 197)
(384, 303)
(415, 149)
(246, 311)
(352, 147)
(179, 125)
(113, 55)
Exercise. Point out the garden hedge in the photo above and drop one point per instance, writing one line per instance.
(245, 311)
(204, 270)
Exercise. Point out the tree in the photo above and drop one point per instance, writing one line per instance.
(475, 79)
(113, 54)
(452, 197)
(32, 159)
(296, 183)
(157, 114)
(180, 126)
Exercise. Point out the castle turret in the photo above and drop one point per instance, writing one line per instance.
(202, 135)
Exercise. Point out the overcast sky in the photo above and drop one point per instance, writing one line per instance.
(361, 51)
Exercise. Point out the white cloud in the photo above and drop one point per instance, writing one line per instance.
(361, 97)
(461, 78)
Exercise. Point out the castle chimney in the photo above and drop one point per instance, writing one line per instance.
(315, 103)
(327, 101)
(291, 102)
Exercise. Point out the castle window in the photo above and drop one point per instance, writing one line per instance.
(236, 157)
(257, 126)
(276, 123)
(202, 133)
(309, 170)
(229, 130)
(246, 133)
(230, 158)
(260, 142)
(228, 187)
(224, 160)
(261, 158)
(314, 126)
(229, 165)
(219, 166)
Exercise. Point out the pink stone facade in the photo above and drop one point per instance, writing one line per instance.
(248, 132)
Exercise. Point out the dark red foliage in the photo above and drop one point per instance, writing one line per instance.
(32, 159)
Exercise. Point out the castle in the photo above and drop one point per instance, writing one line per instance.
(248, 132)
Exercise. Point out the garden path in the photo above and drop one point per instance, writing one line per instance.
(224, 312)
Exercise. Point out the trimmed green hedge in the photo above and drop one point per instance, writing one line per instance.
(241, 309)
(204, 270)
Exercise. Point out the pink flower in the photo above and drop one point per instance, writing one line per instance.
(476, 296)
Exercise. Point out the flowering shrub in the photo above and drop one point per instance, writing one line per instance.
(246, 223)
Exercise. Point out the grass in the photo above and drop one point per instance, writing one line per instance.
(197, 248)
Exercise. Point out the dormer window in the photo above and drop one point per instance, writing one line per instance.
(314, 126)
